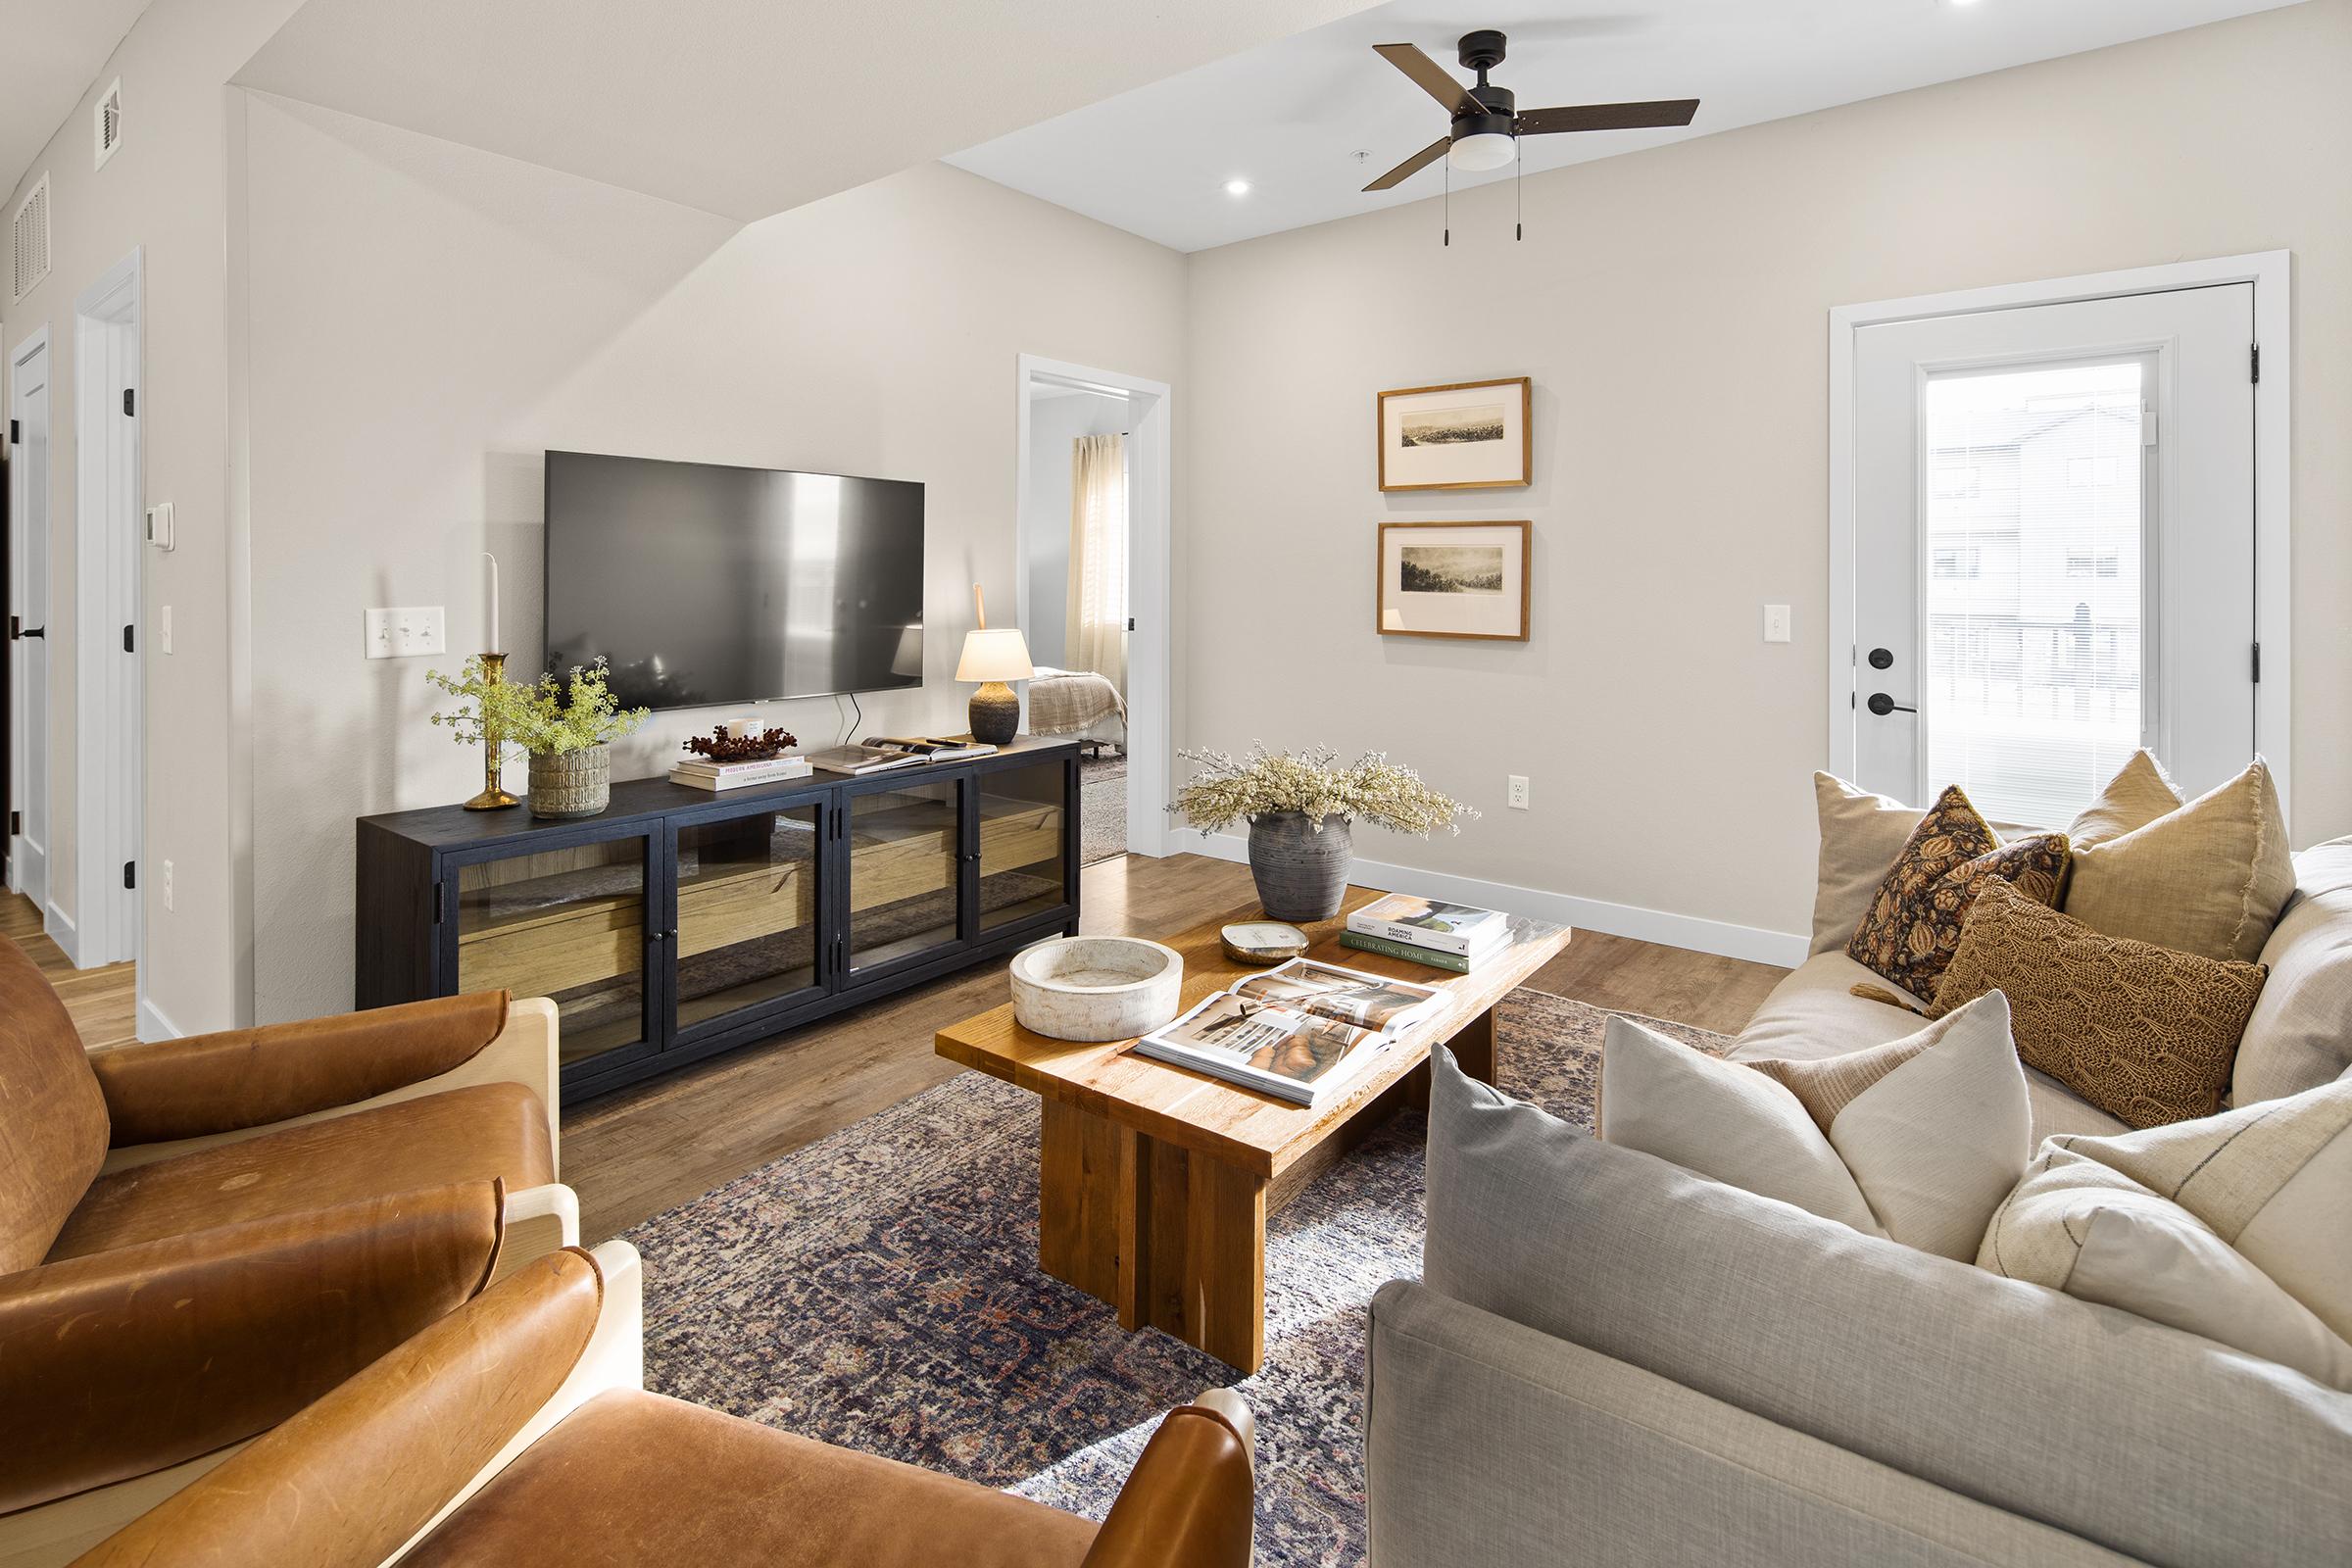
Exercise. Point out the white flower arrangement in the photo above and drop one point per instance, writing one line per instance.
(1227, 789)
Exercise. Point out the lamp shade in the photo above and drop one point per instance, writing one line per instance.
(999, 654)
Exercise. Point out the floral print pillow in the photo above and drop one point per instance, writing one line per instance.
(1912, 927)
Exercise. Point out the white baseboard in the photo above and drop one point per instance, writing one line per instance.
(60, 928)
(153, 1025)
(1757, 946)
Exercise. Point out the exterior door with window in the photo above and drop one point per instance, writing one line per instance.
(2054, 549)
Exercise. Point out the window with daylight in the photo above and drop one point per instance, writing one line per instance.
(2033, 687)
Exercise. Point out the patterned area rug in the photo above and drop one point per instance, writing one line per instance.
(1102, 807)
(879, 1289)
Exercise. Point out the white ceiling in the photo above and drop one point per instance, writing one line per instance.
(1288, 116)
(743, 108)
(56, 48)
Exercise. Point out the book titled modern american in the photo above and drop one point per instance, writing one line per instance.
(1300, 1032)
(1459, 928)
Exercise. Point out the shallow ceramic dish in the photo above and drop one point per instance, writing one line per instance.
(1262, 941)
(1096, 988)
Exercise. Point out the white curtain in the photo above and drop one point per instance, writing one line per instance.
(1097, 599)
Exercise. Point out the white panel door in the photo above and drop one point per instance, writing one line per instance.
(28, 593)
(2054, 549)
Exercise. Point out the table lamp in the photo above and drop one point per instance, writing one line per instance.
(994, 658)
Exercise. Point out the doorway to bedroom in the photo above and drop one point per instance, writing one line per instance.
(1093, 588)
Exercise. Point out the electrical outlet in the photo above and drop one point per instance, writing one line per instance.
(164, 630)
(167, 885)
(405, 633)
(1776, 623)
(1518, 794)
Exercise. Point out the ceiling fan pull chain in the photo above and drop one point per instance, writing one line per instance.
(1518, 191)
(1447, 221)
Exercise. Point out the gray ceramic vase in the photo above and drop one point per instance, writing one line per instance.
(1302, 874)
(567, 784)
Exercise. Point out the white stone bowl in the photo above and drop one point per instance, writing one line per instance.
(1096, 988)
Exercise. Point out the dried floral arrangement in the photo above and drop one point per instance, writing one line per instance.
(545, 718)
(1226, 789)
(722, 747)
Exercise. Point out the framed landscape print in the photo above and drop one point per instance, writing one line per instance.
(1455, 580)
(1472, 435)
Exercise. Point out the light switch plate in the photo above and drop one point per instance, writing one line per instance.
(1776, 623)
(406, 633)
(159, 525)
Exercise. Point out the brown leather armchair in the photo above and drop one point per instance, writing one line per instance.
(199, 1237)
(502, 1434)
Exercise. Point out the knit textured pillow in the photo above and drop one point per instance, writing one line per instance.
(1913, 924)
(2145, 1034)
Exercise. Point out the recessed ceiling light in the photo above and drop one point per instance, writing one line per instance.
(1237, 187)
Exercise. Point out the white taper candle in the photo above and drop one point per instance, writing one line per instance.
(496, 646)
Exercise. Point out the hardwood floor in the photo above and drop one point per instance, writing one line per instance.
(633, 1154)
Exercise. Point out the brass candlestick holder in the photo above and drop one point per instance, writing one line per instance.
(494, 796)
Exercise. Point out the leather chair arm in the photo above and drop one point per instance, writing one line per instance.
(1190, 1502)
(124, 1362)
(206, 1084)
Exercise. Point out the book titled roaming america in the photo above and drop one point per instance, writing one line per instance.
(1302, 1031)
(1457, 928)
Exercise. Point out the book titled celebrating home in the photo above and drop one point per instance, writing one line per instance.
(739, 775)
(1463, 929)
(1302, 1031)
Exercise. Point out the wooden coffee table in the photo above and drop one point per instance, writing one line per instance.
(1155, 1182)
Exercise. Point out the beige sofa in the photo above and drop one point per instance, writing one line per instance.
(1662, 1369)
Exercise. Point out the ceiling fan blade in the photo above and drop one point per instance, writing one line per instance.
(1413, 164)
(1435, 80)
(1606, 117)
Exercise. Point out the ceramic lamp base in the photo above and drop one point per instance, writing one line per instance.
(996, 712)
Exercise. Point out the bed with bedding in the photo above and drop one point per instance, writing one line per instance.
(1077, 702)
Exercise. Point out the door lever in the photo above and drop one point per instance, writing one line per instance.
(1882, 705)
(17, 628)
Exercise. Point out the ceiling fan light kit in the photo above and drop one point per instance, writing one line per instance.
(1486, 123)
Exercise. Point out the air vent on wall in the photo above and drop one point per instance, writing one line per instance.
(28, 241)
(107, 122)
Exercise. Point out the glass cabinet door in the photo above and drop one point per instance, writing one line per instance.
(748, 890)
(1023, 868)
(904, 863)
(568, 924)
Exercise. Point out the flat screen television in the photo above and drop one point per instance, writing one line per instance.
(703, 584)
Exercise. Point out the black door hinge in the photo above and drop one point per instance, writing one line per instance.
(16, 822)
(130, 402)
(126, 641)
(13, 432)
(131, 873)
(2254, 362)
(1131, 623)
(2258, 663)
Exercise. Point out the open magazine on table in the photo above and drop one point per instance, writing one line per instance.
(1301, 1031)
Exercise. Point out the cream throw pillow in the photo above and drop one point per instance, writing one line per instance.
(2208, 877)
(1918, 1140)
(2082, 1227)
(2140, 792)
(1861, 834)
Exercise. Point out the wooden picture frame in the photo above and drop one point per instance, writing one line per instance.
(1453, 589)
(1452, 449)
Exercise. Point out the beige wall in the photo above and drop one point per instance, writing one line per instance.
(163, 191)
(1672, 306)
(427, 319)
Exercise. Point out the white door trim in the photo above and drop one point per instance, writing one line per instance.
(34, 342)
(110, 697)
(2272, 273)
(1150, 505)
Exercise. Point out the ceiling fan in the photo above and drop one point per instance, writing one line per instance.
(1486, 120)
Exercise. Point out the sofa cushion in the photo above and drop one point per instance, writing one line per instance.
(2011, 1393)
(2078, 1226)
(2143, 1033)
(487, 1132)
(53, 1129)
(2300, 1034)
(1916, 1140)
(1861, 834)
(1914, 920)
(636, 1478)
(1813, 1012)
(2208, 878)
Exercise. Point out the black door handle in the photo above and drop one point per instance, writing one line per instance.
(1882, 705)
(17, 628)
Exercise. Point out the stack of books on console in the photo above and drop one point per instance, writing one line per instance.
(1456, 937)
(703, 774)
